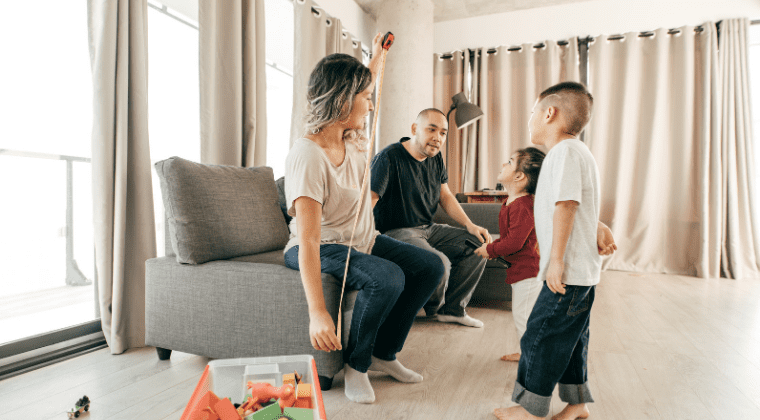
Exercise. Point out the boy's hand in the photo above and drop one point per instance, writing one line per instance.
(554, 276)
(483, 252)
(604, 240)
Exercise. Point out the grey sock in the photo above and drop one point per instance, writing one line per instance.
(395, 369)
(358, 388)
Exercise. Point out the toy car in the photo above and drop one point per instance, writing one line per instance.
(82, 405)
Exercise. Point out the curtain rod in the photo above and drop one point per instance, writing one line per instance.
(581, 41)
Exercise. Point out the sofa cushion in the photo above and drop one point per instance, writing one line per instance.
(283, 202)
(218, 212)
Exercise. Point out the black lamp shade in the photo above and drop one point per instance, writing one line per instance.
(467, 113)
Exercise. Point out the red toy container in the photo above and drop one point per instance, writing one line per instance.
(228, 377)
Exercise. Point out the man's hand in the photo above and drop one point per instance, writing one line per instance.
(604, 240)
(554, 276)
(480, 232)
(483, 252)
(322, 332)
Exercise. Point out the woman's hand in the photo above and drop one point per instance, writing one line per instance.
(377, 44)
(483, 252)
(322, 332)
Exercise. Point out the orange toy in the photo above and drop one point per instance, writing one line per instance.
(286, 394)
(303, 395)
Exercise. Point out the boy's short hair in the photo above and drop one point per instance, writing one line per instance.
(574, 100)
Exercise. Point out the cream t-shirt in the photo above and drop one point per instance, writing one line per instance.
(310, 173)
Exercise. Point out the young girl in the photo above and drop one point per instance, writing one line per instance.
(517, 235)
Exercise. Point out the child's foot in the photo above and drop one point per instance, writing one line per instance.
(395, 369)
(572, 412)
(464, 320)
(514, 413)
(358, 388)
(514, 357)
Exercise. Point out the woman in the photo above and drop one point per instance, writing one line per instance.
(324, 173)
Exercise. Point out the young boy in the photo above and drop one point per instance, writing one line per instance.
(555, 344)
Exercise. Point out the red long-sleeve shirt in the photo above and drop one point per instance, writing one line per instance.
(517, 241)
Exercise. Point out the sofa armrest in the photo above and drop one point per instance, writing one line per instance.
(228, 309)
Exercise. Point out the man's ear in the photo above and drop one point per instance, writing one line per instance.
(414, 128)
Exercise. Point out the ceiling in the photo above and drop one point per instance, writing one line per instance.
(460, 9)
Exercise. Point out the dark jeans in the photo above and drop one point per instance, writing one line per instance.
(463, 267)
(393, 282)
(555, 350)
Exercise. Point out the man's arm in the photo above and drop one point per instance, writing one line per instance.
(450, 204)
(564, 217)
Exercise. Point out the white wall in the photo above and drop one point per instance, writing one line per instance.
(353, 18)
(598, 17)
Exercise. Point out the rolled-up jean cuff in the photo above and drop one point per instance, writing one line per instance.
(575, 393)
(532, 403)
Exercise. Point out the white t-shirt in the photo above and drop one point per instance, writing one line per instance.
(569, 172)
(310, 173)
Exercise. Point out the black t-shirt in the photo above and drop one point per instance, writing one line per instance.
(409, 190)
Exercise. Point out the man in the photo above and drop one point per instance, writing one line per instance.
(409, 181)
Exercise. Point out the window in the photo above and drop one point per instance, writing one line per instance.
(173, 95)
(46, 252)
(279, 39)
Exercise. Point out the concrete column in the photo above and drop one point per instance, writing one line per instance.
(408, 79)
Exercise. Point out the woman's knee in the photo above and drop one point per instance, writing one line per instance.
(388, 280)
(434, 265)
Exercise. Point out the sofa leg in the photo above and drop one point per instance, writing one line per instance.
(163, 354)
(325, 383)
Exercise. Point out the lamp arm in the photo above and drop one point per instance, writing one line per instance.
(453, 106)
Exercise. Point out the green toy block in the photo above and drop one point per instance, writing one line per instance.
(269, 412)
(299, 413)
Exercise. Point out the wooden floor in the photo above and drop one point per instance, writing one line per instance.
(662, 347)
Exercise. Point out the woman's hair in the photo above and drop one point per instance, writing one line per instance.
(333, 86)
(529, 162)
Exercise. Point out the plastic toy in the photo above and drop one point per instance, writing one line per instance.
(265, 392)
(81, 406)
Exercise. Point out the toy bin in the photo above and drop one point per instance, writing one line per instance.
(227, 378)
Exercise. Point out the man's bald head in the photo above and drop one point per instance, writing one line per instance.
(425, 114)
(574, 103)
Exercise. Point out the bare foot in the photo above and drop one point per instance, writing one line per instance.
(514, 413)
(572, 412)
(514, 357)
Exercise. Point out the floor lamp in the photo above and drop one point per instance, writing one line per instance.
(467, 114)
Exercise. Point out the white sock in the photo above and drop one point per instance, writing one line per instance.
(395, 369)
(464, 320)
(358, 388)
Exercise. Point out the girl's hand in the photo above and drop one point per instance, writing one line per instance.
(483, 252)
(322, 332)
(554, 276)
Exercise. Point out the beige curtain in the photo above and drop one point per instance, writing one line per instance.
(449, 77)
(122, 192)
(505, 85)
(232, 82)
(652, 135)
(740, 252)
(317, 35)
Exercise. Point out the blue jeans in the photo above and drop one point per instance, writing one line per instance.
(393, 283)
(555, 350)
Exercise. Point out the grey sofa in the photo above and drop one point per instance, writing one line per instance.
(252, 305)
